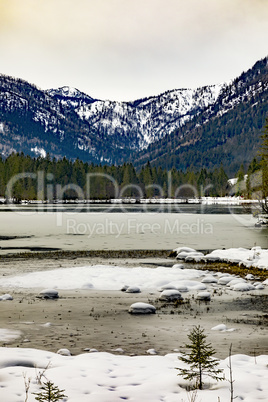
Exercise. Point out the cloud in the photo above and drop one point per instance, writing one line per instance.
(130, 47)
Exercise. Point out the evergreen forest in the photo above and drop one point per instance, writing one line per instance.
(25, 178)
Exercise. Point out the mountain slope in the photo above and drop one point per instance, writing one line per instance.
(227, 132)
(135, 125)
(181, 128)
(33, 122)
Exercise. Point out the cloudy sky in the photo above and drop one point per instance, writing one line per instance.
(128, 49)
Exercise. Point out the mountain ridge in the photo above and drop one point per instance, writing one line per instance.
(160, 128)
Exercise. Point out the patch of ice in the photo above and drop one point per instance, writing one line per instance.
(9, 335)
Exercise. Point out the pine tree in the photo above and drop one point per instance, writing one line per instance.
(49, 393)
(264, 163)
(200, 359)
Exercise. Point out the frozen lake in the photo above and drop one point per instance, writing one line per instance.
(152, 227)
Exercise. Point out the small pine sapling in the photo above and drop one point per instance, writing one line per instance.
(200, 359)
(49, 393)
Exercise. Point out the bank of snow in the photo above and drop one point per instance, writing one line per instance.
(175, 279)
(100, 377)
(255, 257)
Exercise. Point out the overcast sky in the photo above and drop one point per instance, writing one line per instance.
(128, 49)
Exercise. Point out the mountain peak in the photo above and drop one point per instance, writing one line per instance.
(68, 93)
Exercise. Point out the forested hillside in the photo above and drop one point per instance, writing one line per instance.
(46, 178)
(227, 133)
(192, 129)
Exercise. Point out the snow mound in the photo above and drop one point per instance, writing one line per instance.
(167, 287)
(178, 266)
(64, 352)
(199, 286)
(222, 328)
(184, 250)
(194, 256)
(205, 296)
(259, 286)
(224, 280)
(133, 289)
(49, 294)
(6, 297)
(188, 254)
(119, 350)
(170, 295)
(209, 279)
(256, 257)
(141, 308)
(151, 352)
(235, 281)
(243, 287)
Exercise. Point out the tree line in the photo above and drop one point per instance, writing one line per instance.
(21, 175)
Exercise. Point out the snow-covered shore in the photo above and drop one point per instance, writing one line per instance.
(102, 377)
(92, 313)
(256, 257)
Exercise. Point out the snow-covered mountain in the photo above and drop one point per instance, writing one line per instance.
(169, 129)
(227, 132)
(142, 122)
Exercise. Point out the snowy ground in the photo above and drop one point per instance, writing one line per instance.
(255, 257)
(103, 376)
